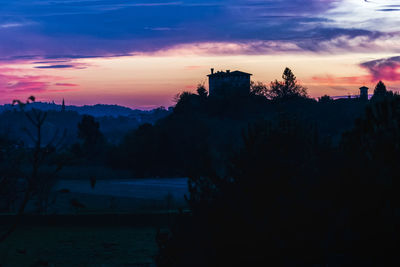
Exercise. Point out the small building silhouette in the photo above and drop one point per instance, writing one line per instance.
(225, 84)
(364, 93)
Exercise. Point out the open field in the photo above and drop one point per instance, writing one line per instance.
(79, 246)
(116, 226)
(116, 196)
(83, 240)
(86, 171)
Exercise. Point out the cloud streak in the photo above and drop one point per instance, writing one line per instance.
(55, 67)
(385, 69)
(14, 82)
(331, 80)
(22, 84)
(66, 84)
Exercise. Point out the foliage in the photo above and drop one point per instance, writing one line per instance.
(199, 123)
(288, 88)
(202, 91)
(258, 88)
(93, 147)
(38, 182)
(277, 202)
(241, 218)
(89, 131)
(187, 102)
(164, 149)
(380, 90)
(325, 99)
(11, 157)
(375, 139)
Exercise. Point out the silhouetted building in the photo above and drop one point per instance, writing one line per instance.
(223, 84)
(364, 93)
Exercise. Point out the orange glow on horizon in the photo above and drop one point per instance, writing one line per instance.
(147, 81)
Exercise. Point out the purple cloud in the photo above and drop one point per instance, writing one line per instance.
(387, 69)
(77, 29)
(55, 67)
(63, 29)
(14, 82)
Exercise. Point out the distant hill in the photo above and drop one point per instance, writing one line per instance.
(98, 110)
(115, 121)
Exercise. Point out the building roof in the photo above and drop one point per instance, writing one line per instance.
(364, 87)
(229, 73)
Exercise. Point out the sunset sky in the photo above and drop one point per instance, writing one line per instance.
(142, 53)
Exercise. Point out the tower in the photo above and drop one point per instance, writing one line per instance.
(364, 93)
(63, 105)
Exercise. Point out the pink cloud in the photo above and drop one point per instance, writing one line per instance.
(66, 84)
(387, 69)
(61, 90)
(331, 80)
(14, 82)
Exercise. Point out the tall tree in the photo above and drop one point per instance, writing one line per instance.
(38, 182)
(89, 132)
(288, 88)
(380, 89)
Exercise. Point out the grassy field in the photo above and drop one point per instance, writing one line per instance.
(79, 246)
(86, 171)
(116, 227)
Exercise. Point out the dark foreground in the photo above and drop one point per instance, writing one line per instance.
(84, 240)
(116, 227)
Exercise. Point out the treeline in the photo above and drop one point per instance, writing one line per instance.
(13, 123)
(290, 197)
(171, 147)
(38, 147)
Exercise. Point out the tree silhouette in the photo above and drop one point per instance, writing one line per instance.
(258, 88)
(371, 153)
(89, 132)
(257, 213)
(274, 203)
(202, 91)
(11, 156)
(325, 99)
(380, 90)
(187, 102)
(38, 181)
(288, 88)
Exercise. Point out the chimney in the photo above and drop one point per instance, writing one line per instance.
(212, 70)
(228, 71)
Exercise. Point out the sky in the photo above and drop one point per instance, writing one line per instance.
(142, 53)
